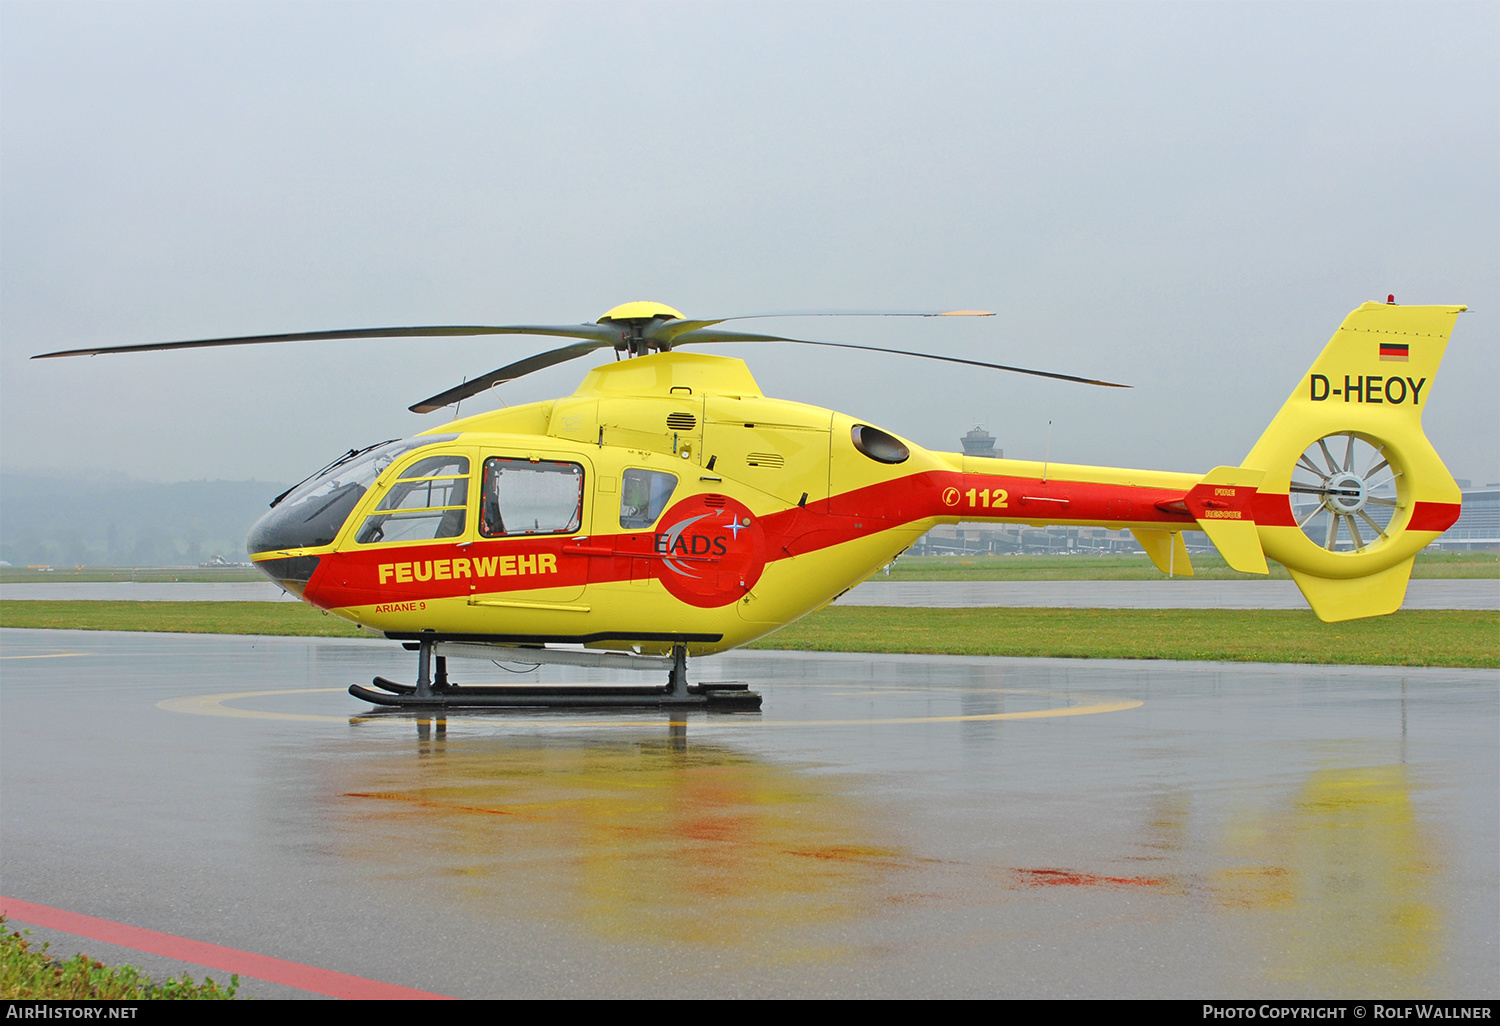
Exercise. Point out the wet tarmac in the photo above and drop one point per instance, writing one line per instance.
(886, 826)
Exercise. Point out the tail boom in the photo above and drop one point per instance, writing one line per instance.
(1347, 445)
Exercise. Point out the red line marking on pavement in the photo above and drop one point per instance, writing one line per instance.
(1066, 877)
(215, 956)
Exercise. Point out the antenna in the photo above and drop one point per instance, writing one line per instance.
(1047, 454)
(460, 400)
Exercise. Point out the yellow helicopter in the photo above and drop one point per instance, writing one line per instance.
(668, 507)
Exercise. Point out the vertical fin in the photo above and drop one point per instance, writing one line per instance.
(1166, 549)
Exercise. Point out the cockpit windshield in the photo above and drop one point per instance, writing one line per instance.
(312, 512)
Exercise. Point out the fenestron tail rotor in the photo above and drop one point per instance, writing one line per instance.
(638, 329)
(1344, 493)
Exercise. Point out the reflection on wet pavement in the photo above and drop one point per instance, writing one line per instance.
(647, 839)
(1337, 884)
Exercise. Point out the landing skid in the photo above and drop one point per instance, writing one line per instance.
(436, 692)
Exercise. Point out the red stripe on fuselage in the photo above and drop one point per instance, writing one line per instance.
(1273, 509)
(412, 574)
(1026, 500)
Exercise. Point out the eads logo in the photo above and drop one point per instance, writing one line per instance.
(711, 550)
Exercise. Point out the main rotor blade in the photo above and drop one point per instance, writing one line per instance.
(509, 372)
(602, 334)
(703, 335)
(667, 331)
(663, 334)
(660, 330)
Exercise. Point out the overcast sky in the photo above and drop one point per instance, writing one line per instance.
(1186, 197)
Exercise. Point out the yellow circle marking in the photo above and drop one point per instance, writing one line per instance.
(216, 705)
(213, 705)
(1101, 704)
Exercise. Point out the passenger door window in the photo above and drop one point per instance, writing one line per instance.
(520, 497)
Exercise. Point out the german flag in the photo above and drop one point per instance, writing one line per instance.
(1400, 352)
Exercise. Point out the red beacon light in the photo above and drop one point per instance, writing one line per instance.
(1390, 300)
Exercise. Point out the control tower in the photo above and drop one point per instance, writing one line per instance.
(980, 442)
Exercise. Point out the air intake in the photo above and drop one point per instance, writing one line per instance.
(766, 459)
(681, 422)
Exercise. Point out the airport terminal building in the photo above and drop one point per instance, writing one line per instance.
(1478, 526)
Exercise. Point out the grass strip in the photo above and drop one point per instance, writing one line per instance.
(1463, 638)
(1480, 565)
(30, 974)
(129, 574)
(275, 618)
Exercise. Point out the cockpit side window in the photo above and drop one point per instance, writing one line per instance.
(429, 500)
(447, 465)
(522, 497)
(313, 512)
(643, 495)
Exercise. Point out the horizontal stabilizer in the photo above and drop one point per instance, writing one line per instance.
(1222, 503)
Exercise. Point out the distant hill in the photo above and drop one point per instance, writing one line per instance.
(66, 522)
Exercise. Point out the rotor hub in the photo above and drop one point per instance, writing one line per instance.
(640, 311)
(634, 320)
(1346, 493)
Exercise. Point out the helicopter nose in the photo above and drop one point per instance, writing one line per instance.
(301, 520)
(290, 573)
(305, 521)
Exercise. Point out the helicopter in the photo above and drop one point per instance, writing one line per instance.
(669, 508)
